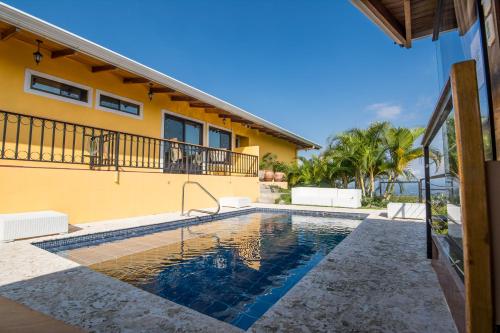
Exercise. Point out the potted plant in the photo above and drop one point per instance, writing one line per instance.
(266, 165)
(280, 169)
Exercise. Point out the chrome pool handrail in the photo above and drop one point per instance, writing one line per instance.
(198, 210)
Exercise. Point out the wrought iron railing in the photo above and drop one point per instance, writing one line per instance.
(30, 138)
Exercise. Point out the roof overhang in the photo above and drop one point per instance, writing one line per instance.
(71, 44)
(406, 20)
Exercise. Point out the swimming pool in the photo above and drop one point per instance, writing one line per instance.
(233, 269)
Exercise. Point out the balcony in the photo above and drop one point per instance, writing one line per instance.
(35, 139)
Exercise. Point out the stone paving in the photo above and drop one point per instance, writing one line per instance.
(376, 280)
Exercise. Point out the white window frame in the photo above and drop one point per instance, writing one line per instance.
(99, 107)
(27, 88)
(225, 129)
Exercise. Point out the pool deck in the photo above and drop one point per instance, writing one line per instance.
(376, 280)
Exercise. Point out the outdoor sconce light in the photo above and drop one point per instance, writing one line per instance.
(37, 56)
(224, 120)
(150, 93)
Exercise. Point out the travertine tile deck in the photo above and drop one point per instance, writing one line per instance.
(376, 280)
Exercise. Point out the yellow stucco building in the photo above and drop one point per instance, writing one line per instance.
(91, 133)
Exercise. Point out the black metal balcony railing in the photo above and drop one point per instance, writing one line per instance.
(31, 138)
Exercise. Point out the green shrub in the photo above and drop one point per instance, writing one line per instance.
(285, 198)
(280, 167)
(275, 188)
(375, 202)
(404, 198)
(268, 161)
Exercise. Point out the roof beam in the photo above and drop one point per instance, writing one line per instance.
(407, 11)
(438, 18)
(201, 105)
(242, 121)
(217, 111)
(162, 90)
(182, 99)
(9, 33)
(235, 119)
(239, 120)
(62, 53)
(376, 11)
(132, 80)
(103, 68)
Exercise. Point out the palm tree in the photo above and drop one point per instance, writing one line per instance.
(345, 148)
(340, 153)
(317, 171)
(374, 157)
(313, 170)
(362, 156)
(361, 151)
(335, 172)
(399, 142)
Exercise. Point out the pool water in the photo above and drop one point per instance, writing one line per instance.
(232, 269)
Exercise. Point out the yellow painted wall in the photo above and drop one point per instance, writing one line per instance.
(89, 195)
(249, 150)
(284, 150)
(16, 57)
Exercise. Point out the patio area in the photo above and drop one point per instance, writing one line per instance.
(377, 280)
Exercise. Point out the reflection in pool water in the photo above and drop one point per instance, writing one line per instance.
(233, 269)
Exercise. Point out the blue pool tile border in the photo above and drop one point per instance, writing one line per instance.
(70, 243)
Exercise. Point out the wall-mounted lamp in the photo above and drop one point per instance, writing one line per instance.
(37, 56)
(224, 120)
(150, 92)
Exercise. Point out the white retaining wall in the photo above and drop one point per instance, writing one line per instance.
(330, 197)
(406, 210)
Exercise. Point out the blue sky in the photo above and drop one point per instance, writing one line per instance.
(314, 67)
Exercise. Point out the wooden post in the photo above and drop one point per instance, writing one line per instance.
(473, 198)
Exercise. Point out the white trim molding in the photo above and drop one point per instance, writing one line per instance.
(27, 88)
(99, 107)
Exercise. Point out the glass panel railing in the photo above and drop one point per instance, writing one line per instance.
(444, 186)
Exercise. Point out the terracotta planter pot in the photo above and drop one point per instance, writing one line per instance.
(261, 175)
(268, 175)
(279, 176)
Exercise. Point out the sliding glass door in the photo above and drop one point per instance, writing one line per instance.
(183, 130)
(218, 138)
(178, 157)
